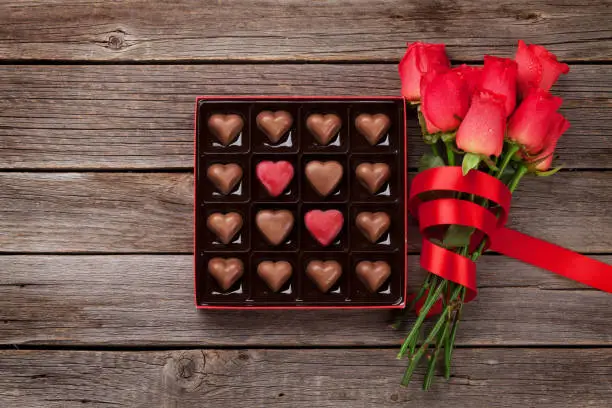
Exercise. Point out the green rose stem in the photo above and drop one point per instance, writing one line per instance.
(452, 296)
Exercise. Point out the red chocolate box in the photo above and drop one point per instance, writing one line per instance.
(300, 202)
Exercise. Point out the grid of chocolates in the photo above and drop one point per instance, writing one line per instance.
(300, 202)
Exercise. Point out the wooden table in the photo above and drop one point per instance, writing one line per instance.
(96, 307)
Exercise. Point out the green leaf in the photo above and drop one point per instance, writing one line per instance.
(470, 161)
(429, 161)
(548, 173)
(457, 236)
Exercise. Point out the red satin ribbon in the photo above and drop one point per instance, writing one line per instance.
(429, 203)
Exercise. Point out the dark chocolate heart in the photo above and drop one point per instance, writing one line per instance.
(225, 271)
(324, 274)
(274, 225)
(225, 127)
(225, 226)
(372, 127)
(224, 176)
(373, 175)
(274, 124)
(275, 274)
(373, 225)
(324, 127)
(324, 176)
(373, 274)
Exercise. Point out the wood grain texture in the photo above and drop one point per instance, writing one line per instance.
(137, 30)
(147, 300)
(152, 212)
(300, 378)
(141, 116)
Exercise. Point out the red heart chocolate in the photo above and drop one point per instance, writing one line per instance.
(324, 226)
(225, 226)
(324, 127)
(373, 175)
(372, 127)
(225, 271)
(324, 176)
(373, 274)
(274, 124)
(324, 274)
(275, 176)
(225, 127)
(275, 274)
(224, 176)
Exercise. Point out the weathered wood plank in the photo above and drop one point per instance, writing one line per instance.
(135, 116)
(146, 300)
(300, 378)
(262, 30)
(152, 212)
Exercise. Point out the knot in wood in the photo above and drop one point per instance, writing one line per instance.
(184, 371)
(116, 40)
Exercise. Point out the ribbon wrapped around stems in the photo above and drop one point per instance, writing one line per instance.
(489, 224)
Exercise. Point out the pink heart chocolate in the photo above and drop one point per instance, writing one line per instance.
(324, 226)
(275, 176)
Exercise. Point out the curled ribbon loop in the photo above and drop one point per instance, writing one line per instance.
(436, 212)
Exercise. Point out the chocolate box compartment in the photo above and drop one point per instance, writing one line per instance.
(338, 293)
(393, 239)
(391, 292)
(260, 243)
(259, 193)
(309, 243)
(338, 144)
(260, 291)
(209, 143)
(206, 190)
(391, 191)
(208, 290)
(388, 143)
(308, 192)
(289, 143)
(209, 240)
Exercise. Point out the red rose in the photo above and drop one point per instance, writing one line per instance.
(419, 59)
(531, 121)
(499, 76)
(482, 129)
(558, 126)
(445, 100)
(471, 75)
(537, 68)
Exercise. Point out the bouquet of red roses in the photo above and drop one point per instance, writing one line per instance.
(487, 127)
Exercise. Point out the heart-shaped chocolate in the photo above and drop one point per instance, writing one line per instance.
(324, 274)
(274, 124)
(324, 176)
(275, 274)
(225, 226)
(373, 274)
(226, 271)
(324, 226)
(373, 175)
(274, 225)
(324, 127)
(373, 225)
(224, 176)
(225, 127)
(275, 176)
(372, 127)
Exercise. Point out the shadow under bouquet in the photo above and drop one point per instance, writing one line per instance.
(488, 127)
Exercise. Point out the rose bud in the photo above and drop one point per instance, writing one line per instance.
(445, 99)
(558, 126)
(420, 58)
(529, 124)
(482, 129)
(471, 75)
(499, 76)
(537, 67)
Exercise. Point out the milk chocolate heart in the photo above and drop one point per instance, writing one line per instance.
(275, 274)
(274, 124)
(225, 127)
(373, 274)
(324, 127)
(373, 225)
(225, 271)
(324, 176)
(275, 176)
(225, 226)
(372, 127)
(224, 176)
(274, 225)
(324, 226)
(373, 175)
(324, 274)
